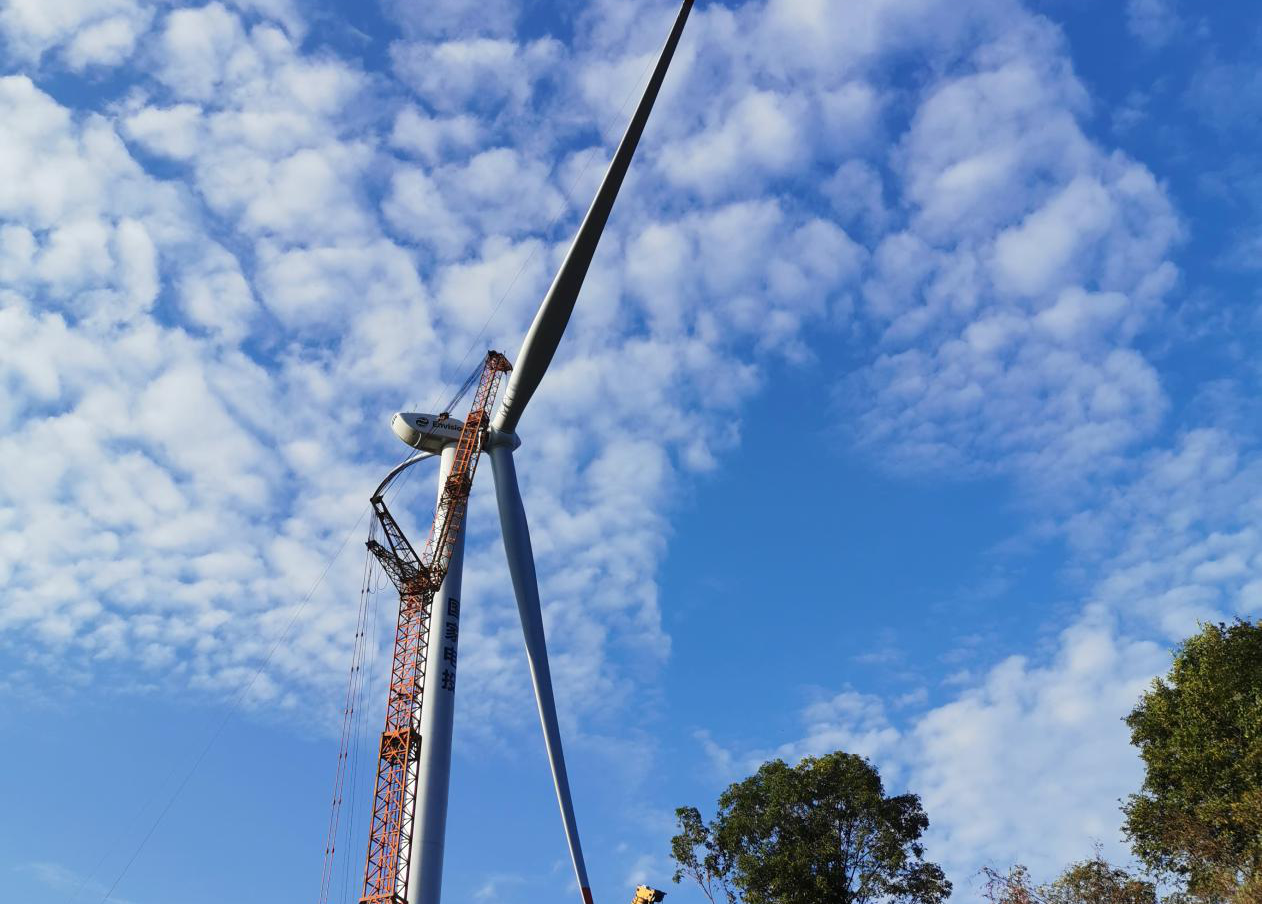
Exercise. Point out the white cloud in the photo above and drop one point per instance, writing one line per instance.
(170, 132)
(274, 158)
(477, 74)
(1175, 547)
(1028, 762)
(468, 293)
(108, 42)
(310, 286)
(417, 209)
(225, 474)
(498, 192)
(988, 143)
(1043, 250)
(431, 138)
(294, 197)
(994, 207)
(712, 273)
(196, 46)
(47, 173)
(1189, 546)
(1009, 304)
(207, 453)
(283, 11)
(829, 41)
(849, 721)
(857, 193)
(214, 294)
(1154, 22)
(1078, 314)
(84, 32)
(762, 133)
(1028, 766)
(137, 263)
(133, 438)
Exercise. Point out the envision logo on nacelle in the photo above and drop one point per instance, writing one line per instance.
(427, 432)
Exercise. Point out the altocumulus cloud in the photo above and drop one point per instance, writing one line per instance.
(233, 286)
(217, 283)
(1011, 263)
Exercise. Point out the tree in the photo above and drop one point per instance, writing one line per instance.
(698, 857)
(1096, 881)
(821, 832)
(1013, 887)
(1093, 881)
(1198, 815)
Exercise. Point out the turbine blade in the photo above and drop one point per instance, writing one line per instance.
(521, 564)
(550, 321)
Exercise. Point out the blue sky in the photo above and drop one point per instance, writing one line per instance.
(910, 409)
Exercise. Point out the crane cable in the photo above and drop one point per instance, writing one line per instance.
(464, 389)
(235, 705)
(349, 709)
(368, 680)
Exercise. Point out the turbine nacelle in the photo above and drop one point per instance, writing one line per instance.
(427, 432)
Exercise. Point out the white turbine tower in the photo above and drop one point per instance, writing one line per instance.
(422, 859)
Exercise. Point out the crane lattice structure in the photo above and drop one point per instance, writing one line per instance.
(418, 579)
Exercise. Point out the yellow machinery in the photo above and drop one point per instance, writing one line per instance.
(646, 895)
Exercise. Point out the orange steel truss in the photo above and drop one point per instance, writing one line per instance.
(417, 579)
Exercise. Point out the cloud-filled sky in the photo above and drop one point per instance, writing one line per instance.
(910, 409)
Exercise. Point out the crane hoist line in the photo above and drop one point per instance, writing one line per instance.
(418, 579)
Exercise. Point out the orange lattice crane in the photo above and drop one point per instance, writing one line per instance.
(418, 579)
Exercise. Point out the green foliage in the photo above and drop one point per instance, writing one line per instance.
(1096, 881)
(1198, 816)
(1093, 881)
(698, 857)
(821, 831)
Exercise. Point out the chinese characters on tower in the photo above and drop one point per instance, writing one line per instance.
(451, 633)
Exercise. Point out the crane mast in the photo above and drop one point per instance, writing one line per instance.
(417, 579)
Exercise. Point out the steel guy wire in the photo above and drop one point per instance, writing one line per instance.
(233, 708)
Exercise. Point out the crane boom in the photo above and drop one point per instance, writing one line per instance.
(417, 579)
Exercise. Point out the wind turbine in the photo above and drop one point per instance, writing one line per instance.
(409, 863)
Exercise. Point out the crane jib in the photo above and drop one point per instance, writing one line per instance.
(417, 578)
